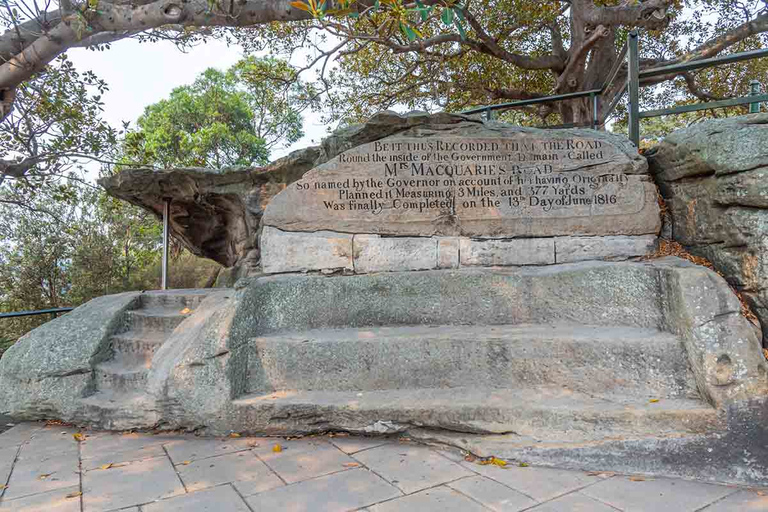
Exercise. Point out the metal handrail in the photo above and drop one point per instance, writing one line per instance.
(632, 85)
(53, 312)
(532, 101)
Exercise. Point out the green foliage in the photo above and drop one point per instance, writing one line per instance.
(53, 130)
(448, 66)
(98, 246)
(224, 119)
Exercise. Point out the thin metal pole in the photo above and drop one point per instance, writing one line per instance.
(166, 245)
(595, 120)
(754, 90)
(634, 89)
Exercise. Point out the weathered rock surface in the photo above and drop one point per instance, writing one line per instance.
(489, 180)
(219, 215)
(215, 214)
(714, 179)
(329, 251)
(548, 361)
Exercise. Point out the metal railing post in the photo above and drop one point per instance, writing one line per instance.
(166, 248)
(754, 90)
(488, 114)
(634, 89)
(595, 119)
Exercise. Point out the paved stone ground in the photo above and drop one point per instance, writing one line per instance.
(47, 470)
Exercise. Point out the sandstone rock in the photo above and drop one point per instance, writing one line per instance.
(448, 252)
(476, 180)
(569, 249)
(284, 251)
(374, 253)
(564, 356)
(713, 178)
(214, 214)
(513, 251)
(219, 214)
(47, 372)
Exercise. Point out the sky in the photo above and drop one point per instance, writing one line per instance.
(140, 74)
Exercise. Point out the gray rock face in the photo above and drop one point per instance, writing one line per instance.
(329, 251)
(215, 215)
(713, 177)
(490, 180)
(586, 183)
(48, 371)
(587, 354)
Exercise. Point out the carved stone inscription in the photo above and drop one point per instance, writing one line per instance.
(471, 186)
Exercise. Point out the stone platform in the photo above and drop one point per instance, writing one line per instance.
(592, 365)
(46, 469)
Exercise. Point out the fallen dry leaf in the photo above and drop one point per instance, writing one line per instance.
(491, 461)
(106, 466)
(762, 493)
(3, 487)
(351, 465)
(44, 476)
(186, 463)
(78, 437)
(277, 448)
(185, 311)
(653, 400)
(73, 495)
(523, 465)
(606, 474)
(234, 434)
(637, 479)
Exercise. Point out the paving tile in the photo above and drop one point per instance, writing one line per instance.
(53, 501)
(541, 484)
(740, 501)
(339, 492)
(14, 436)
(8, 455)
(111, 448)
(266, 451)
(354, 444)
(492, 494)
(194, 449)
(574, 502)
(411, 467)
(219, 499)
(439, 498)
(308, 461)
(42, 473)
(50, 442)
(656, 495)
(239, 466)
(132, 484)
(5, 472)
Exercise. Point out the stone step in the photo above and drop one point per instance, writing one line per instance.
(543, 413)
(163, 320)
(121, 410)
(631, 361)
(173, 299)
(136, 346)
(120, 377)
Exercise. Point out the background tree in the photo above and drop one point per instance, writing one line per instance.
(452, 55)
(77, 250)
(53, 131)
(231, 118)
(443, 52)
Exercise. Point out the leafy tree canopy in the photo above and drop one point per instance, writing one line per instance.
(225, 118)
(454, 54)
(56, 124)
